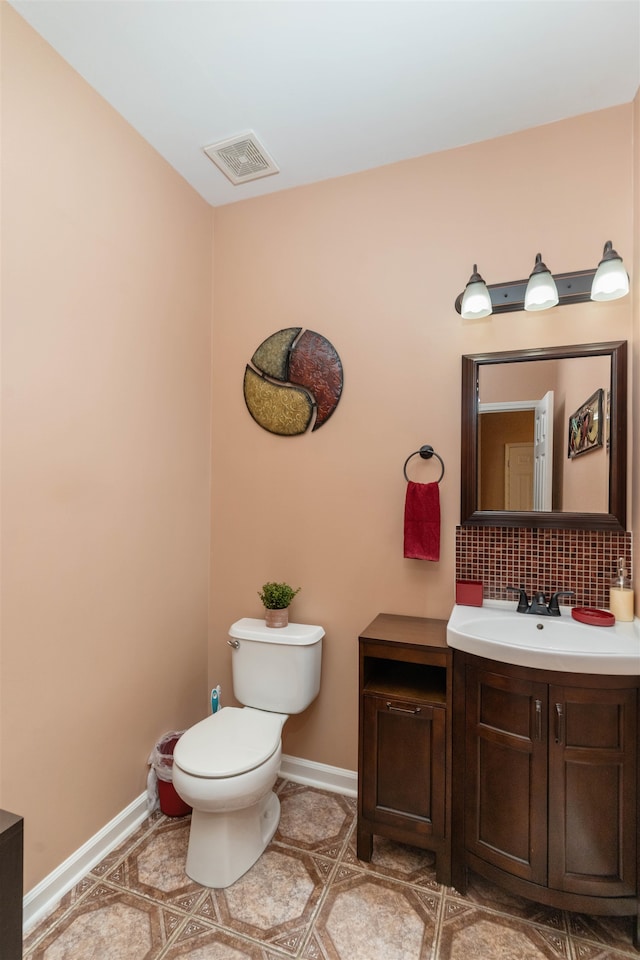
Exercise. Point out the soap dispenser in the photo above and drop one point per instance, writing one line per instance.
(621, 594)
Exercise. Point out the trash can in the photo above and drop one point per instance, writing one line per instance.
(161, 761)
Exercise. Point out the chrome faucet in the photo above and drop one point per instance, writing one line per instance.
(538, 605)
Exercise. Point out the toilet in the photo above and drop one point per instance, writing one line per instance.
(226, 765)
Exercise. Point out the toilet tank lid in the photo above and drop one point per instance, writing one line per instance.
(294, 634)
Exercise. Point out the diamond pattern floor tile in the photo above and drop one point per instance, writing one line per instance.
(307, 898)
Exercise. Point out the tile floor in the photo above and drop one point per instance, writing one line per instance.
(308, 898)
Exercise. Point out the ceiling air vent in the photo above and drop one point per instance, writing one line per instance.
(242, 158)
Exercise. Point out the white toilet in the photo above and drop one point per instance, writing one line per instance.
(226, 765)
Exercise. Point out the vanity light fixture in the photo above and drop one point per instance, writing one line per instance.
(611, 280)
(542, 290)
(476, 299)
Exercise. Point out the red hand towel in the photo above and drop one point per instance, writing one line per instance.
(422, 521)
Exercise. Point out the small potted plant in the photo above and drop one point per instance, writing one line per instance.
(276, 598)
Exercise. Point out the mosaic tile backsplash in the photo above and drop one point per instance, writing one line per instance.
(581, 560)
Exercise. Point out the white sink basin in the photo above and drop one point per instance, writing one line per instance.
(497, 632)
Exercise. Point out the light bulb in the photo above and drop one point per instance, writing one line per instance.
(541, 292)
(610, 281)
(476, 300)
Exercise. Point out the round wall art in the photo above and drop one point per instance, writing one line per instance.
(295, 381)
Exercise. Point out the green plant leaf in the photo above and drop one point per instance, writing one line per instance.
(277, 596)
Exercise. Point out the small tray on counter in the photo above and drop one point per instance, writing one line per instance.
(593, 616)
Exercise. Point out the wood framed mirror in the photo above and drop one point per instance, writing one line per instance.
(586, 476)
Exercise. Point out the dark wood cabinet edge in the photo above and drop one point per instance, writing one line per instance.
(557, 677)
(405, 631)
(11, 884)
(458, 731)
(575, 902)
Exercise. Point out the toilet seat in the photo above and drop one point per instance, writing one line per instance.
(228, 743)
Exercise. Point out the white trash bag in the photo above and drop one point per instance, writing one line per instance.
(161, 763)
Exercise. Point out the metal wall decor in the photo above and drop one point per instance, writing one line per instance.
(294, 383)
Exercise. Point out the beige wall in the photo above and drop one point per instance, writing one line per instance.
(107, 264)
(106, 310)
(374, 262)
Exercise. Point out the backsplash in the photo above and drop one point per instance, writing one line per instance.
(581, 560)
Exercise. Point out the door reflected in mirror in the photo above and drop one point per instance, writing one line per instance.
(519, 411)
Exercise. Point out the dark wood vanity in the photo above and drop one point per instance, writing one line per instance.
(528, 777)
(546, 771)
(404, 755)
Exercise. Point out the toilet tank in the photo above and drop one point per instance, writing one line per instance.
(276, 669)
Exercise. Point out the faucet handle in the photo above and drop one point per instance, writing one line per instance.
(554, 609)
(523, 599)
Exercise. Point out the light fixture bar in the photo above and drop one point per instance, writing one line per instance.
(572, 287)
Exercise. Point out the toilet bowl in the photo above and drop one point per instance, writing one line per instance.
(226, 765)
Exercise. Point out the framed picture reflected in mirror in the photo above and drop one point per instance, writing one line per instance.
(585, 426)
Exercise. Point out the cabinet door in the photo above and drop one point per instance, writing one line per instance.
(592, 791)
(404, 764)
(506, 769)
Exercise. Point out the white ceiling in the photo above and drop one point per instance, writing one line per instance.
(332, 87)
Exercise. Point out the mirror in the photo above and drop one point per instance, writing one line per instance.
(544, 437)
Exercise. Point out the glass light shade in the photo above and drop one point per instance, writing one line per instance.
(476, 300)
(541, 292)
(611, 281)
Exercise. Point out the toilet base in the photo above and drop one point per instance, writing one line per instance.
(223, 846)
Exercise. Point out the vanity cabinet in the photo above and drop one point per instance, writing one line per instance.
(405, 736)
(546, 765)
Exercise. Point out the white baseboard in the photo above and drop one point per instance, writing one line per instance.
(39, 901)
(42, 898)
(320, 775)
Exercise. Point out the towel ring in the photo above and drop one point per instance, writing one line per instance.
(426, 452)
